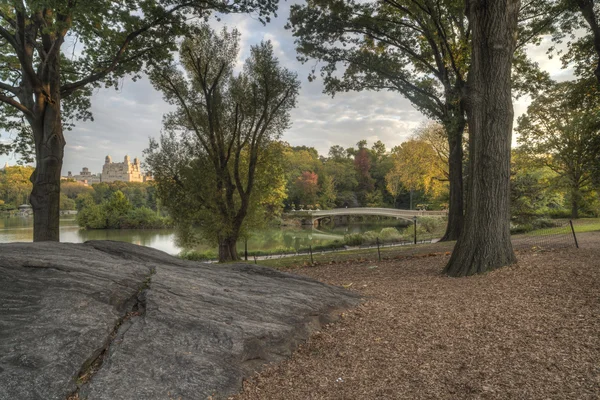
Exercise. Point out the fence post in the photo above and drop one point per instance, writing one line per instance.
(310, 251)
(255, 260)
(378, 252)
(246, 249)
(573, 231)
(415, 219)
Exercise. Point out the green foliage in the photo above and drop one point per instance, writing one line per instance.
(390, 235)
(15, 186)
(113, 39)
(560, 132)
(217, 166)
(116, 213)
(66, 203)
(353, 239)
(370, 237)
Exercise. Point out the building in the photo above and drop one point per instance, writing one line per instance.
(85, 177)
(125, 171)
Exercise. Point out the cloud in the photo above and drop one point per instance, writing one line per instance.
(125, 119)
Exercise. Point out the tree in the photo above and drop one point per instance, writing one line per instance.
(484, 243)
(41, 86)
(560, 131)
(327, 193)
(533, 193)
(580, 21)
(307, 186)
(362, 164)
(14, 185)
(207, 164)
(416, 166)
(419, 48)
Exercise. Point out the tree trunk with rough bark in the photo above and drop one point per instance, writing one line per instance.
(228, 249)
(455, 177)
(484, 243)
(50, 142)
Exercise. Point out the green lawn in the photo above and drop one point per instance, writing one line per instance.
(581, 225)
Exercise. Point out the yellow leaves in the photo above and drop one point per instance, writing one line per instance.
(415, 168)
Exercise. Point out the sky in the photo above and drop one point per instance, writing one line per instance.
(124, 120)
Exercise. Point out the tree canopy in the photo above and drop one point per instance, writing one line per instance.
(560, 130)
(215, 163)
(54, 52)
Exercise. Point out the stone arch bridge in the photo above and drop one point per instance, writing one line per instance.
(315, 215)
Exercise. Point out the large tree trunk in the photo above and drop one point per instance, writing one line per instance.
(484, 243)
(455, 176)
(587, 10)
(228, 249)
(49, 151)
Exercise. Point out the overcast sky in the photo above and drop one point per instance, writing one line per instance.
(125, 119)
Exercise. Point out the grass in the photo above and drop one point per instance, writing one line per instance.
(581, 226)
(356, 255)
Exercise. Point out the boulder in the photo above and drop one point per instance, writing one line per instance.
(111, 320)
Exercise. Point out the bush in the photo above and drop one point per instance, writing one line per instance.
(92, 217)
(143, 218)
(353, 239)
(429, 224)
(195, 255)
(370, 237)
(390, 235)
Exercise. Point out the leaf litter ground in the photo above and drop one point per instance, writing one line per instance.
(531, 330)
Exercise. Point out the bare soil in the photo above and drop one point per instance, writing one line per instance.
(527, 331)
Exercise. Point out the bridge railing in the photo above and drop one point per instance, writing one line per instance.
(374, 211)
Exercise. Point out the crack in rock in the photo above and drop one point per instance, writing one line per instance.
(93, 364)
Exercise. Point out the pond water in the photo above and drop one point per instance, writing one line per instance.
(20, 229)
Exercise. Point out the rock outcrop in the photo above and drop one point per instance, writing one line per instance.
(110, 320)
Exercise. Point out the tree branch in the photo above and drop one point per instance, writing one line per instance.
(17, 105)
(69, 88)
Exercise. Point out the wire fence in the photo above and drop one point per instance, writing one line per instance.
(552, 234)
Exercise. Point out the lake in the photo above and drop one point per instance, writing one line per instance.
(20, 229)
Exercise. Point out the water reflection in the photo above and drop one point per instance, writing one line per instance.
(20, 229)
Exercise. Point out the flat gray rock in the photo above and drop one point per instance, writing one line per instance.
(111, 320)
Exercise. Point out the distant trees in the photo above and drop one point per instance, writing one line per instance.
(561, 130)
(213, 166)
(15, 186)
(416, 166)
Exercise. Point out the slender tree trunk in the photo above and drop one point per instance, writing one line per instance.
(455, 176)
(575, 203)
(484, 243)
(228, 249)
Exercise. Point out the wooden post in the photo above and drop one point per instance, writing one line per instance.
(415, 218)
(311, 256)
(378, 252)
(246, 249)
(573, 231)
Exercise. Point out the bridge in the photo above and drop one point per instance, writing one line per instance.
(409, 215)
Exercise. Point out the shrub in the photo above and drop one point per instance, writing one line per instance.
(390, 235)
(353, 239)
(92, 217)
(370, 237)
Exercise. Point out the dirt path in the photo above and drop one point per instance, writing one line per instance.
(529, 331)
